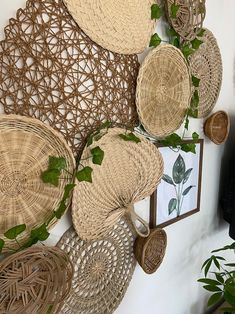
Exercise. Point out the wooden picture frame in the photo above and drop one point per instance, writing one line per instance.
(177, 193)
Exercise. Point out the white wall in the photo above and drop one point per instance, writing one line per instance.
(173, 289)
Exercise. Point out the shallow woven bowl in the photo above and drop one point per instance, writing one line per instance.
(25, 147)
(163, 90)
(150, 251)
(217, 127)
(120, 26)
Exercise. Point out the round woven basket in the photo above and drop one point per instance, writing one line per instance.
(206, 64)
(103, 270)
(189, 18)
(121, 26)
(25, 147)
(34, 281)
(150, 251)
(217, 127)
(163, 91)
(129, 172)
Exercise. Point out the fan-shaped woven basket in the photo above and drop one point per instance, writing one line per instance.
(121, 26)
(50, 70)
(189, 18)
(34, 280)
(129, 172)
(217, 127)
(103, 270)
(206, 64)
(25, 147)
(163, 91)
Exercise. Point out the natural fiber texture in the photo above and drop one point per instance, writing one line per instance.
(120, 26)
(25, 147)
(50, 70)
(103, 270)
(189, 18)
(217, 127)
(129, 173)
(33, 280)
(206, 64)
(150, 251)
(163, 90)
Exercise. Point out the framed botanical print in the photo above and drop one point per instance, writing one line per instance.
(178, 194)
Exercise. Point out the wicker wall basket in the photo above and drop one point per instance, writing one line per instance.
(34, 280)
(217, 127)
(189, 18)
(163, 91)
(103, 270)
(129, 172)
(206, 64)
(121, 26)
(50, 70)
(25, 147)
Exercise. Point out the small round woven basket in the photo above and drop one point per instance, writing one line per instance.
(189, 18)
(103, 270)
(121, 26)
(163, 91)
(129, 172)
(217, 127)
(25, 147)
(206, 64)
(34, 281)
(150, 251)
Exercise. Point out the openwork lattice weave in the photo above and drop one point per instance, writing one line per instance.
(33, 280)
(49, 69)
(206, 64)
(117, 25)
(163, 90)
(103, 270)
(189, 18)
(25, 147)
(129, 172)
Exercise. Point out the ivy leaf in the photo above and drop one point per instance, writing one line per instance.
(195, 137)
(155, 40)
(172, 205)
(51, 176)
(68, 188)
(172, 140)
(187, 51)
(58, 163)
(188, 148)
(106, 125)
(176, 42)
(156, 11)
(214, 298)
(39, 234)
(186, 191)
(84, 175)
(89, 140)
(167, 179)
(61, 209)
(97, 155)
(49, 311)
(201, 32)
(187, 175)
(186, 124)
(195, 81)
(193, 113)
(2, 243)
(130, 137)
(196, 43)
(14, 232)
(174, 10)
(171, 32)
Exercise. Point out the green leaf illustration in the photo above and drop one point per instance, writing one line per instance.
(156, 11)
(15, 231)
(2, 243)
(39, 234)
(131, 137)
(85, 174)
(97, 155)
(196, 81)
(51, 176)
(186, 191)
(61, 210)
(58, 163)
(172, 205)
(214, 298)
(178, 170)
(155, 40)
(174, 10)
(196, 43)
(187, 175)
(167, 179)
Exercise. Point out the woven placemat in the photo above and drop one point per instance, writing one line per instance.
(163, 90)
(189, 18)
(50, 70)
(103, 270)
(129, 172)
(34, 280)
(25, 147)
(120, 26)
(206, 64)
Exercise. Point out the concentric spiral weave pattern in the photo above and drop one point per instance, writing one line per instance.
(50, 70)
(34, 280)
(103, 270)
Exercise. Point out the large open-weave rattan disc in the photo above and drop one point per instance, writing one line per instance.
(51, 70)
(189, 18)
(163, 90)
(129, 172)
(121, 26)
(206, 64)
(34, 280)
(25, 147)
(103, 270)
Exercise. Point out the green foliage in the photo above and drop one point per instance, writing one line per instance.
(196, 81)
(187, 50)
(58, 163)
(85, 174)
(97, 135)
(49, 311)
(156, 11)
(131, 137)
(2, 243)
(201, 33)
(13, 233)
(178, 170)
(172, 205)
(39, 234)
(174, 10)
(97, 155)
(155, 40)
(167, 179)
(193, 111)
(53, 172)
(196, 43)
